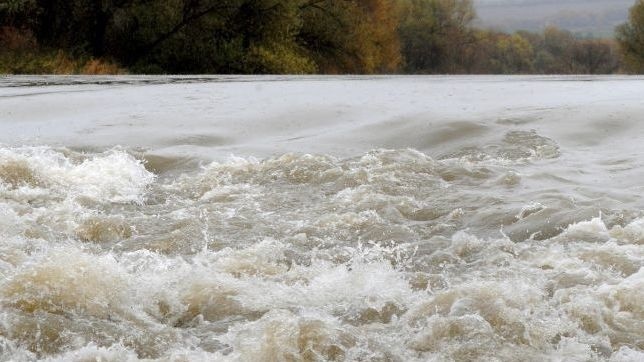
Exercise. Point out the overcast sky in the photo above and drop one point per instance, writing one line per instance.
(579, 2)
(597, 17)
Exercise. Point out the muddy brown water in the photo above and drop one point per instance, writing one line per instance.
(321, 218)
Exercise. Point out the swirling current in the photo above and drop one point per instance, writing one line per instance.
(497, 249)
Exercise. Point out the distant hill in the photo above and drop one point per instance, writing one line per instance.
(584, 17)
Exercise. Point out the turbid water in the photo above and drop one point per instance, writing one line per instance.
(315, 219)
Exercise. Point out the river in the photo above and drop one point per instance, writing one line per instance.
(317, 218)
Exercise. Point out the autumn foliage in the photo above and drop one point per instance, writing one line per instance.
(288, 36)
(631, 38)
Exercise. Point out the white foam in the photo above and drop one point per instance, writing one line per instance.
(114, 176)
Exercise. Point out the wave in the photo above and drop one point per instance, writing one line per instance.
(388, 255)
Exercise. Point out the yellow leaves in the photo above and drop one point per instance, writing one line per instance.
(280, 59)
(353, 36)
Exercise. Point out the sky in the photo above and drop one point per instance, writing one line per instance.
(592, 17)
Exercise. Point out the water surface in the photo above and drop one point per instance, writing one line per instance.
(318, 218)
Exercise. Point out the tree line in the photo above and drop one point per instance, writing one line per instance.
(293, 36)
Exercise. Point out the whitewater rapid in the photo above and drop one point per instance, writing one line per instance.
(321, 219)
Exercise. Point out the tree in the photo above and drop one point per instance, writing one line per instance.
(299, 36)
(501, 53)
(18, 13)
(211, 36)
(436, 34)
(351, 36)
(559, 47)
(631, 38)
(595, 56)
